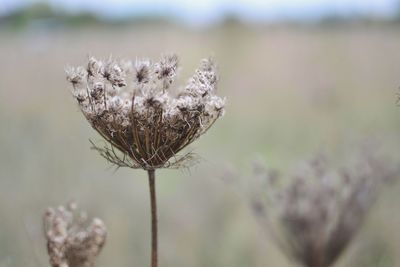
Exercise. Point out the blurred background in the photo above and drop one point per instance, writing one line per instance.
(299, 77)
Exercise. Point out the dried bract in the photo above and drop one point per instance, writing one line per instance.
(315, 216)
(132, 106)
(72, 241)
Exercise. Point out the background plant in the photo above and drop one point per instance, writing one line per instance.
(73, 240)
(315, 214)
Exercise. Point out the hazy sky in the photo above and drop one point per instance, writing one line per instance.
(204, 11)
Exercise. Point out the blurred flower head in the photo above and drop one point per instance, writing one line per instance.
(315, 215)
(71, 240)
(134, 108)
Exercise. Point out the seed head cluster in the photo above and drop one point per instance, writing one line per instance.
(136, 109)
(315, 216)
(71, 240)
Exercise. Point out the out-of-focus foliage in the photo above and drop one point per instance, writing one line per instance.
(43, 16)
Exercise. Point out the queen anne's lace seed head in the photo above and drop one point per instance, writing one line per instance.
(72, 241)
(132, 106)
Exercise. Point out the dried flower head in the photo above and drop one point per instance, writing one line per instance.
(71, 240)
(131, 105)
(315, 216)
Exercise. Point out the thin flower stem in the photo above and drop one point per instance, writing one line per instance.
(153, 203)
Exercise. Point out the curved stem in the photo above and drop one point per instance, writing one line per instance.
(153, 204)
